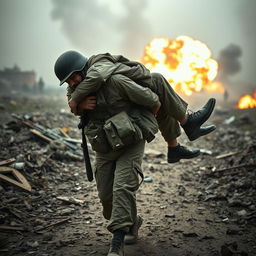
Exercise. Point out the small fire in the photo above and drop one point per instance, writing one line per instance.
(247, 101)
(186, 64)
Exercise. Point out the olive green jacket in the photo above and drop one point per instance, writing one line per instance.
(121, 94)
(120, 85)
(100, 67)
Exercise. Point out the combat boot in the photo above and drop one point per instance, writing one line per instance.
(117, 244)
(132, 236)
(175, 154)
(196, 119)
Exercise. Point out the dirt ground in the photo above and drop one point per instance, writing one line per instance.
(205, 206)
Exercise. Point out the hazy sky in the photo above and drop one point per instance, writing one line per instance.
(35, 32)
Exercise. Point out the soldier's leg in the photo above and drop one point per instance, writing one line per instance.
(168, 126)
(172, 111)
(120, 190)
(170, 130)
(126, 183)
(175, 106)
(104, 176)
(171, 103)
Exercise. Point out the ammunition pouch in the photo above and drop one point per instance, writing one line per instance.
(121, 131)
(97, 137)
(146, 122)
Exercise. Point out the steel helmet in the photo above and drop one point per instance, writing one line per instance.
(68, 63)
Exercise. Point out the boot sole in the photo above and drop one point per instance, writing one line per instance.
(191, 138)
(209, 131)
(196, 134)
(175, 160)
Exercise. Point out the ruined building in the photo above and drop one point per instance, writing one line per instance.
(14, 78)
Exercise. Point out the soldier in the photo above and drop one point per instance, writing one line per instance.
(122, 117)
(85, 76)
(119, 152)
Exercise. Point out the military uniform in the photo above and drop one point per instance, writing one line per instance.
(101, 67)
(118, 170)
(120, 124)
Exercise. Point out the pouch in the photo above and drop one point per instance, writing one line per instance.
(97, 138)
(121, 131)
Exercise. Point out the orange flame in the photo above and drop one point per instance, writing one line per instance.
(247, 101)
(186, 64)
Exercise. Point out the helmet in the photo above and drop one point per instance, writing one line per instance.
(68, 63)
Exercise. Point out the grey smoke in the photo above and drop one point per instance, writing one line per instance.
(85, 23)
(88, 24)
(247, 16)
(229, 61)
(135, 27)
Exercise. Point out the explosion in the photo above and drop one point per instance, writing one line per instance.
(186, 64)
(247, 101)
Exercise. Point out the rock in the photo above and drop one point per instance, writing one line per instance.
(242, 213)
(47, 237)
(190, 234)
(148, 179)
(230, 249)
(233, 231)
(34, 244)
(170, 215)
(151, 153)
(213, 185)
(229, 120)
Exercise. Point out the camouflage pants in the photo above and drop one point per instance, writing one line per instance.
(173, 107)
(117, 177)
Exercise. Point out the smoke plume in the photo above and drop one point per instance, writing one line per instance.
(85, 23)
(246, 13)
(90, 24)
(135, 27)
(229, 63)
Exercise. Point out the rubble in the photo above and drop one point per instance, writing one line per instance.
(195, 207)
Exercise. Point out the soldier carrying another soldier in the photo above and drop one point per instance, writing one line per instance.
(125, 105)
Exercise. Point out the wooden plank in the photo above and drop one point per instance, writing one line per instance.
(7, 161)
(4, 169)
(4, 227)
(53, 224)
(235, 167)
(39, 134)
(22, 182)
(227, 155)
(63, 132)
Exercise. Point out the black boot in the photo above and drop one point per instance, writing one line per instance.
(132, 236)
(207, 129)
(117, 244)
(175, 154)
(196, 119)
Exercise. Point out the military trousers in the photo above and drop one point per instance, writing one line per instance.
(173, 107)
(118, 175)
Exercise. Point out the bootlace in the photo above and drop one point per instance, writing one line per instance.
(191, 113)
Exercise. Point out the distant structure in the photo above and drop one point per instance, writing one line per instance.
(17, 79)
(41, 84)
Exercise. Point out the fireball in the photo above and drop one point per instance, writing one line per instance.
(186, 64)
(247, 101)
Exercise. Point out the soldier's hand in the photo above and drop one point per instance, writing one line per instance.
(73, 106)
(89, 103)
(155, 110)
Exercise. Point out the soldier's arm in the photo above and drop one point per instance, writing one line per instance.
(69, 92)
(96, 76)
(136, 93)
